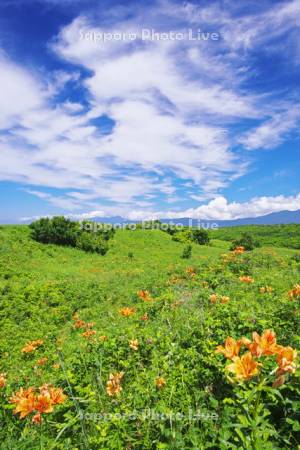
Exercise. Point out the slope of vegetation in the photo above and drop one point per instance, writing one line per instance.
(268, 235)
(130, 337)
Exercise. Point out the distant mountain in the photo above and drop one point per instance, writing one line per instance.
(282, 217)
(277, 218)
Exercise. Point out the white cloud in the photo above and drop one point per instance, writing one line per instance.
(220, 208)
(19, 94)
(273, 132)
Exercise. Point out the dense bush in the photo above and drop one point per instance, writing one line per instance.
(199, 235)
(187, 252)
(57, 230)
(246, 241)
(61, 231)
(296, 258)
(91, 243)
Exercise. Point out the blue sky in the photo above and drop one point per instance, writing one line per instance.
(101, 117)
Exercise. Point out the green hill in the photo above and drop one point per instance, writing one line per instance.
(165, 347)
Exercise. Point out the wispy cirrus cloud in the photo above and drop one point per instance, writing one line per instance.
(273, 131)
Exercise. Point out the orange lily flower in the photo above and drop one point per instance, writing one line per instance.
(24, 400)
(144, 295)
(2, 380)
(238, 250)
(42, 361)
(22, 393)
(37, 418)
(244, 368)
(246, 279)
(127, 312)
(57, 396)
(264, 345)
(89, 333)
(160, 382)
(231, 348)
(113, 385)
(79, 324)
(134, 344)
(295, 291)
(43, 403)
(32, 346)
(213, 298)
(286, 360)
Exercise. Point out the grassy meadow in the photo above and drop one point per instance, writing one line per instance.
(124, 344)
(268, 235)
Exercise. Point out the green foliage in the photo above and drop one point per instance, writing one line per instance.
(246, 240)
(42, 287)
(91, 243)
(181, 235)
(187, 252)
(197, 235)
(296, 258)
(58, 230)
(200, 236)
(90, 237)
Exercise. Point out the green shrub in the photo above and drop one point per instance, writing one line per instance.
(246, 240)
(58, 230)
(181, 236)
(187, 252)
(197, 235)
(61, 231)
(200, 236)
(92, 243)
(296, 258)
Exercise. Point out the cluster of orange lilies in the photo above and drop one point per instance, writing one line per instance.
(239, 250)
(191, 271)
(30, 401)
(246, 279)
(80, 324)
(128, 311)
(246, 366)
(266, 290)
(32, 346)
(144, 295)
(214, 298)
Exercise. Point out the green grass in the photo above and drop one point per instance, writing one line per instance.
(41, 288)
